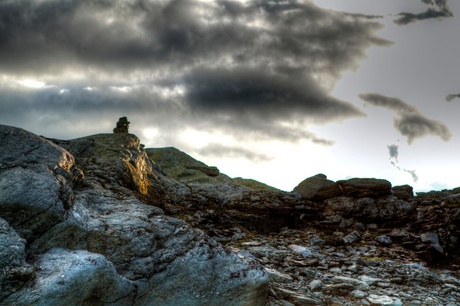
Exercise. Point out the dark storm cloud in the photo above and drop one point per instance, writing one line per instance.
(216, 149)
(408, 120)
(262, 69)
(450, 97)
(437, 9)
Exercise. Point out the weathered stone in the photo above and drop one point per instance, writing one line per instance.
(122, 125)
(303, 300)
(317, 188)
(359, 284)
(277, 276)
(300, 250)
(105, 218)
(365, 187)
(377, 300)
(74, 278)
(35, 181)
(383, 240)
(209, 171)
(404, 192)
(123, 244)
(15, 273)
(340, 289)
(315, 285)
(351, 237)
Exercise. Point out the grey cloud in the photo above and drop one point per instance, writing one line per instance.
(216, 149)
(408, 120)
(417, 126)
(254, 69)
(438, 9)
(393, 151)
(450, 97)
(413, 174)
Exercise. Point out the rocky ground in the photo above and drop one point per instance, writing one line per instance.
(306, 270)
(100, 221)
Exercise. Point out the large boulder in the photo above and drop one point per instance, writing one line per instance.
(36, 179)
(317, 187)
(404, 192)
(365, 187)
(106, 245)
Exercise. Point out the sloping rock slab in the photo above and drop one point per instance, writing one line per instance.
(365, 187)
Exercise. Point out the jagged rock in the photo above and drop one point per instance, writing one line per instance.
(108, 237)
(351, 237)
(317, 188)
(74, 278)
(404, 192)
(112, 200)
(277, 276)
(383, 240)
(15, 273)
(365, 187)
(35, 181)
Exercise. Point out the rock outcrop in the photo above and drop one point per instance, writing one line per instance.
(184, 168)
(92, 240)
(94, 221)
(318, 187)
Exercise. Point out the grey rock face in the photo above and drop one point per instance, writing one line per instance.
(74, 278)
(35, 181)
(108, 246)
(15, 273)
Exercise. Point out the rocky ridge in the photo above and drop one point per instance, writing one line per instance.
(95, 221)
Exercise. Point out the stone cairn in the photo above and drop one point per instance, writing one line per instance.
(122, 125)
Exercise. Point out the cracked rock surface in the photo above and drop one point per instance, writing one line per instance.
(79, 227)
(94, 221)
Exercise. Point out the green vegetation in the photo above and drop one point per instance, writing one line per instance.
(253, 184)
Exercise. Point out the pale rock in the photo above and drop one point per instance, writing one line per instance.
(369, 279)
(300, 250)
(358, 284)
(276, 276)
(384, 300)
(315, 285)
(383, 240)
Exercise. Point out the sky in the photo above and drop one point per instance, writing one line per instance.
(273, 90)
